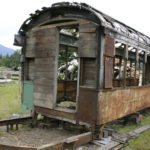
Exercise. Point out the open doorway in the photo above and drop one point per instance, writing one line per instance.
(68, 66)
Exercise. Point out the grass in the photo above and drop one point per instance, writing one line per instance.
(142, 142)
(132, 125)
(10, 102)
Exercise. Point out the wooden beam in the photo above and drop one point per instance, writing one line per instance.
(71, 142)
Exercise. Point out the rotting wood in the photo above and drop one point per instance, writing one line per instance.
(71, 142)
(11, 147)
(55, 113)
(118, 140)
(87, 41)
(19, 120)
(9, 123)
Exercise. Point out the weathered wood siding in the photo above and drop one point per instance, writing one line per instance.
(87, 39)
(31, 73)
(88, 47)
(109, 54)
(89, 72)
(30, 44)
(41, 44)
(88, 51)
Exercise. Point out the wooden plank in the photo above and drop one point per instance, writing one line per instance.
(44, 69)
(44, 60)
(31, 69)
(87, 36)
(43, 103)
(30, 44)
(71, 142)
(43, 82)
(56, 25)
(56, 113)
(108, 75)
(19, 120)
(47, 75)
(89, 72)
(43, 89)
(45, 53)
(109, 146)
(11, 147)
(43, 32)
(109, 46)
(87, 39)
(86, 26)
(43, 95)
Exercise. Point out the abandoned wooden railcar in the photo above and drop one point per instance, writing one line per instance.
(80, 65)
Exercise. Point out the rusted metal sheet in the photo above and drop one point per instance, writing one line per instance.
(108, 78)
(117, 103)
(87, 105)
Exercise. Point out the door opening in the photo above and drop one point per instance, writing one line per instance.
(68, 66)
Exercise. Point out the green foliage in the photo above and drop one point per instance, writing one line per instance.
(11, 61)
(139, 143)
(67, 56)
(142, 141)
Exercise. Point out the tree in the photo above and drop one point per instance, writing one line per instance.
(12, 61)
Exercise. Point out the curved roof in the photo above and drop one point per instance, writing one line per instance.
(102, 19)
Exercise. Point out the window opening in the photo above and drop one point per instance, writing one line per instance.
(119, 61)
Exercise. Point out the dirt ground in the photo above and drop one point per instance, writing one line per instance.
(33, 137)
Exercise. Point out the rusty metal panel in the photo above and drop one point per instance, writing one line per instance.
(108, 72)
(117, 103)
(87, 105)
(109, 46)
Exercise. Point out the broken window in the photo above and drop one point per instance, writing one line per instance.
(131, 66)
(147, 69)
(67, 68)
(131, 79)
(140, 67)
(119, 61)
